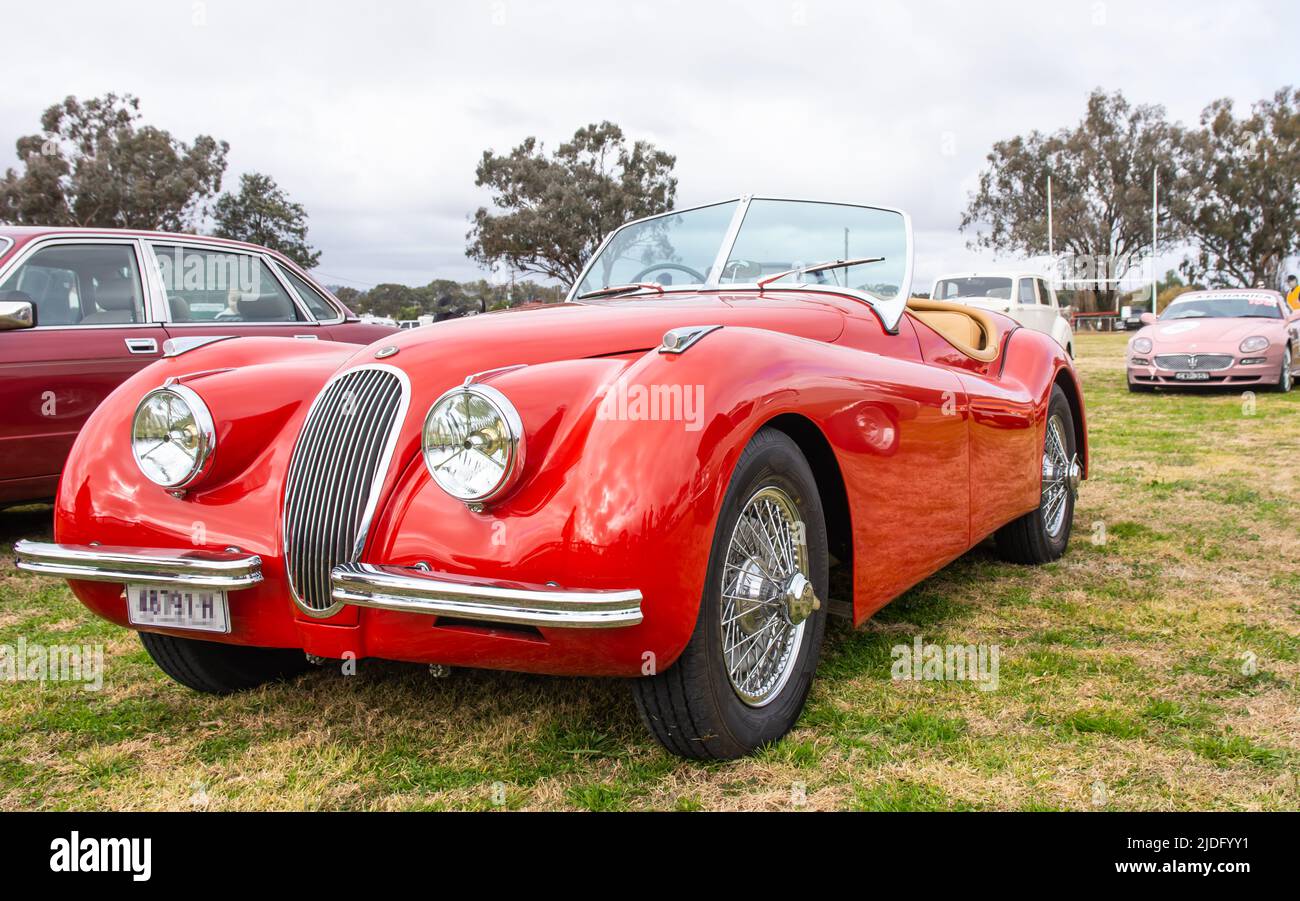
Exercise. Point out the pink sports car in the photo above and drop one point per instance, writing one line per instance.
(1217, 338)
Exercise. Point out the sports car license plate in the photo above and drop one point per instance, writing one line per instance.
(178, 608)
(1192, 376)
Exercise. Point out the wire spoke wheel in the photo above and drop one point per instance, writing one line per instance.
(1056, 477)
(763, 582)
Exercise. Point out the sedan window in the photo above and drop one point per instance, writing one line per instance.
(315, 301)
(1027, 291)
(975, 286)
(80, 284)
(214, 285)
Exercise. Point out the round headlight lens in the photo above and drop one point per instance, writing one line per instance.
(474, 443)
(172, 436)
(1253, 344)
(1141, 345)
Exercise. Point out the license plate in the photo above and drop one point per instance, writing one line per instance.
(1192, 376)
(203, 610)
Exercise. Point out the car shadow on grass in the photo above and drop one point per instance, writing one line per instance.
(34, 522)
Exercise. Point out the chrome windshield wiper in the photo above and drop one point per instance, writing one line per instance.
(819, 267)
(611, 290)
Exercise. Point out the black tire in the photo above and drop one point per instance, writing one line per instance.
(1284, 377)
(220, 669)
(692, 708)
(1027, 539)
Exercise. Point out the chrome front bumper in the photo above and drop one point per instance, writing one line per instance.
(411, 590)
(400, 588)
(227, 570)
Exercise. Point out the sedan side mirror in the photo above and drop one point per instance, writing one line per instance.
(1147, 318)
(16, 314)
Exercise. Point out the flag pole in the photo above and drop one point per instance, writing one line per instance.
(1155, 188)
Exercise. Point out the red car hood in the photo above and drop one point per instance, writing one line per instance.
(572, 331)
(1208, 334)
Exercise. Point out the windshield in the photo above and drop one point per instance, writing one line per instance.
(774, 237)
(782, 235)
(678, 249)
(976, 286)
(1222, 308)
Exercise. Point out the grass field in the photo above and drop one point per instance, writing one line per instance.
(1153, 668)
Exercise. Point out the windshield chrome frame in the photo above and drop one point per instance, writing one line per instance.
(889, 311)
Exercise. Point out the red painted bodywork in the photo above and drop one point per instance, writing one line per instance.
(934, 452)
(52, 378)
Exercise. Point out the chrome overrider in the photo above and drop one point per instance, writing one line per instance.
(417, 590)
(401, 588)
(228, 570)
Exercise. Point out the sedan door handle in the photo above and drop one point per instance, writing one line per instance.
(308, 337)
(142, 345)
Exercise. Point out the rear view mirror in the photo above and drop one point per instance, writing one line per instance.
(16, 311)
(1147, 318)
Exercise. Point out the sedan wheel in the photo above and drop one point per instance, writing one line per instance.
(742, 680)
(1285, 379)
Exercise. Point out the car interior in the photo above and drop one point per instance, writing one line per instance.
(972, 331)
(214, 286)
(80, 284)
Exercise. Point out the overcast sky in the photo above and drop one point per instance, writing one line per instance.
(374, 115)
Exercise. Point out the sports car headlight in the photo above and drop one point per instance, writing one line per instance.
(1141, 345)
(474, 443)
(172, 436)
(1253, 343)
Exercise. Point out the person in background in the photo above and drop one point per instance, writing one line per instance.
(1292, 292)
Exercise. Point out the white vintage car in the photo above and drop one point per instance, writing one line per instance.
(1026, 297)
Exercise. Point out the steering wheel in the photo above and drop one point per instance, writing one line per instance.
(698, 276)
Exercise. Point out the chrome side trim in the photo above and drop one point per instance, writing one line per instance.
(174, 347)
(410, 590)
(228, 570)
(679, 340)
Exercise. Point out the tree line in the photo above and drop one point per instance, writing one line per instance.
(445, 299)
(96, 165)
(1229, 191)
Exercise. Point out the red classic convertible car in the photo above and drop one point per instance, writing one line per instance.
(651, 480)
(81, 310)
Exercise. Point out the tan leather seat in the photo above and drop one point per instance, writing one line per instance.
(115, 300)
(970, 330)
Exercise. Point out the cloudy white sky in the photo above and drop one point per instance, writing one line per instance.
(374, 115)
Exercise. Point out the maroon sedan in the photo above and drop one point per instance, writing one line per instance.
(83, 309)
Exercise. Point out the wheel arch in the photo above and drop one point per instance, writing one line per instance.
(817, 450)
(1070, 387)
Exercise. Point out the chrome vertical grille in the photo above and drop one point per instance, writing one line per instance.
(335, 476)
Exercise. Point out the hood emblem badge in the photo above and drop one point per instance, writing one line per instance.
(385, 352)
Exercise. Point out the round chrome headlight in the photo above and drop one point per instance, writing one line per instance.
(474, 443)
(172, 436)
(1141, 345)
(1253, 344)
